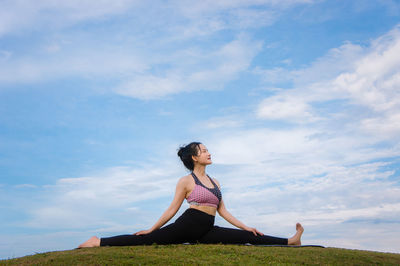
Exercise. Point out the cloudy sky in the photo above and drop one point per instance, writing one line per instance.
(298, 102)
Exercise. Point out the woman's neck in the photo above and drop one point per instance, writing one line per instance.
(199, 170)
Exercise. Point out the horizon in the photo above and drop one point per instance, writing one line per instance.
(298, 102)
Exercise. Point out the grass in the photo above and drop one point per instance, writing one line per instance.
(208, 255)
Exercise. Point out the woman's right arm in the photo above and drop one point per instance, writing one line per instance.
(180, 193)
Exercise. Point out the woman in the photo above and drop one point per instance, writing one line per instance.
(196, 224)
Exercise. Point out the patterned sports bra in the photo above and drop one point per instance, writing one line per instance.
(204, 196)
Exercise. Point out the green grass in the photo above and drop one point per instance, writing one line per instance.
(208, 255)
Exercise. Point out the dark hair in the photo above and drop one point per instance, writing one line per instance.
(186, 153)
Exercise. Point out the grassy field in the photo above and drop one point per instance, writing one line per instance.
(208, 255)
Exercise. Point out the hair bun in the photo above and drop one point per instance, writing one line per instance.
(181, 151)
(186, 153)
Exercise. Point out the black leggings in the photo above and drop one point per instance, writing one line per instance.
(193, 226)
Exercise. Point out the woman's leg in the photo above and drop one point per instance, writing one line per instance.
(236, 236)
(189, 227)
(171, 234)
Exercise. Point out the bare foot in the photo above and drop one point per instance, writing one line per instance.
(94, 241)
(296, 239)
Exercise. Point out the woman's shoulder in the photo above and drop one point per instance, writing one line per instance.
(185, 179)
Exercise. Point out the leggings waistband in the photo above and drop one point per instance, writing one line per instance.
(199, 216)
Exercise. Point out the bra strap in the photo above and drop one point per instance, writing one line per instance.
(212, 181)
(196, 180)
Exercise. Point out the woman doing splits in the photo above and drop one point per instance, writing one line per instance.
(196, 224)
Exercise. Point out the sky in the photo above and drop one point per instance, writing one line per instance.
(298, 102)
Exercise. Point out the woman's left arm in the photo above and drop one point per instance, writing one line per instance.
(224, 213)
(232, 220)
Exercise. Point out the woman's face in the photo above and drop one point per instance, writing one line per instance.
(203, 157)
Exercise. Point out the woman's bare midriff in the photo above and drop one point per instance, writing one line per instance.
(207, 209)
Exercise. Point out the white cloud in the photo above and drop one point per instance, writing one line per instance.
(274, 75)
(285, 107)
(204, 70)
(349, 133)
(222, 122)
(58, 53)
(363, 79)
(26, 186)
(255, 146)
(387, 125)
(374, 81)
(140, 72)
(53, 14)
(151, 87)
(335, 62)
(66, 60)
(203, 18)
(85, 201)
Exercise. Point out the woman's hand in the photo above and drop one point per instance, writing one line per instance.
(253, 230)
(227, 216)
(143, 232)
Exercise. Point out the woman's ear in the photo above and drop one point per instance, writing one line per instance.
(194, 158)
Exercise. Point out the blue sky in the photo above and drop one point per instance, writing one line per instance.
(297, 101)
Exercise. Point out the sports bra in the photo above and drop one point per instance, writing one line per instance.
(204, 196)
